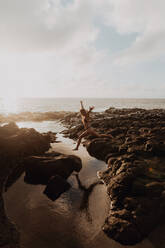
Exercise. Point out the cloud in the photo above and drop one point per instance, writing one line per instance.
(52, 26)
(147, 47)
(48, 48)
(146, 18)
(48, 25)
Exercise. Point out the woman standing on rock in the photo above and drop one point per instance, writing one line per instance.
(85, 117)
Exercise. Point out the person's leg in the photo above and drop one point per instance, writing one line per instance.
(94, 133)
(80, 138)
(106, 135)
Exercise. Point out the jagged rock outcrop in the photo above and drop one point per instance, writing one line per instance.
(15, 144)
(23, 149)
(135, 175)
(51, 169)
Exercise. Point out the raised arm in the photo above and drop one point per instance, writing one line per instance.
(90, 109)
(81, 104)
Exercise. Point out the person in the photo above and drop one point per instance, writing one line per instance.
(85, 117)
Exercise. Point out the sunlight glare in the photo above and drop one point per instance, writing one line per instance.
(10, 105)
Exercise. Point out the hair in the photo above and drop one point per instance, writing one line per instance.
(83, 111)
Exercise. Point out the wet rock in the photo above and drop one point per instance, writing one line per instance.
(25, 149)
(39, 169)
(9, 234)
(52, 136)
(25, 142)
(157, 149)
(101, 147)
(55, 187)
(122, 214)
(8, 130)
(138, 188)
(136, 173)
(122, 231)
(130, 203)
(15, 144)
(163, 194)
(154, 189)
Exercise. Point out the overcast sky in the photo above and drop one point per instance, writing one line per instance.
(82, 48)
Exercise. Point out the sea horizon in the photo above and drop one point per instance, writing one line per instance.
(72, 104)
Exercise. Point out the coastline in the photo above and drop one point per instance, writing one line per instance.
(24, 150)
(118, 123)
(15, 144)
(136, 172)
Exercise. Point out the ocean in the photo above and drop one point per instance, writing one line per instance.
(11, 105)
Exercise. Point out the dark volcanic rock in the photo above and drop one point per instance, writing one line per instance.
(101, 147)
(55, 187)
(8, 130)
(136, 169)
(23, 143)
(39, 169)
(16, 145)
(9, 236)
(136, 196)
(122, 230)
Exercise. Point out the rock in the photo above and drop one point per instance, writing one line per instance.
(55, 187)
(130, 203)
(8, 130)
(9, 234)
(156, 148)
(39, 169)
(122, 231)
(122, 214)
(105, 176)
(135, 175)
(154, 189)
(25, 142)
(163, 194)
(52, 136)
(15, 144)
(138, 188)
(101, 147)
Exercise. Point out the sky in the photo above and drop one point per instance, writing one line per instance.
(82, 48)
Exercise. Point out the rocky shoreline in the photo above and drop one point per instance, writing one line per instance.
(25, 150)
(135, 175)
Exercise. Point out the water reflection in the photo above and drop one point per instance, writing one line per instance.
(84, 205)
